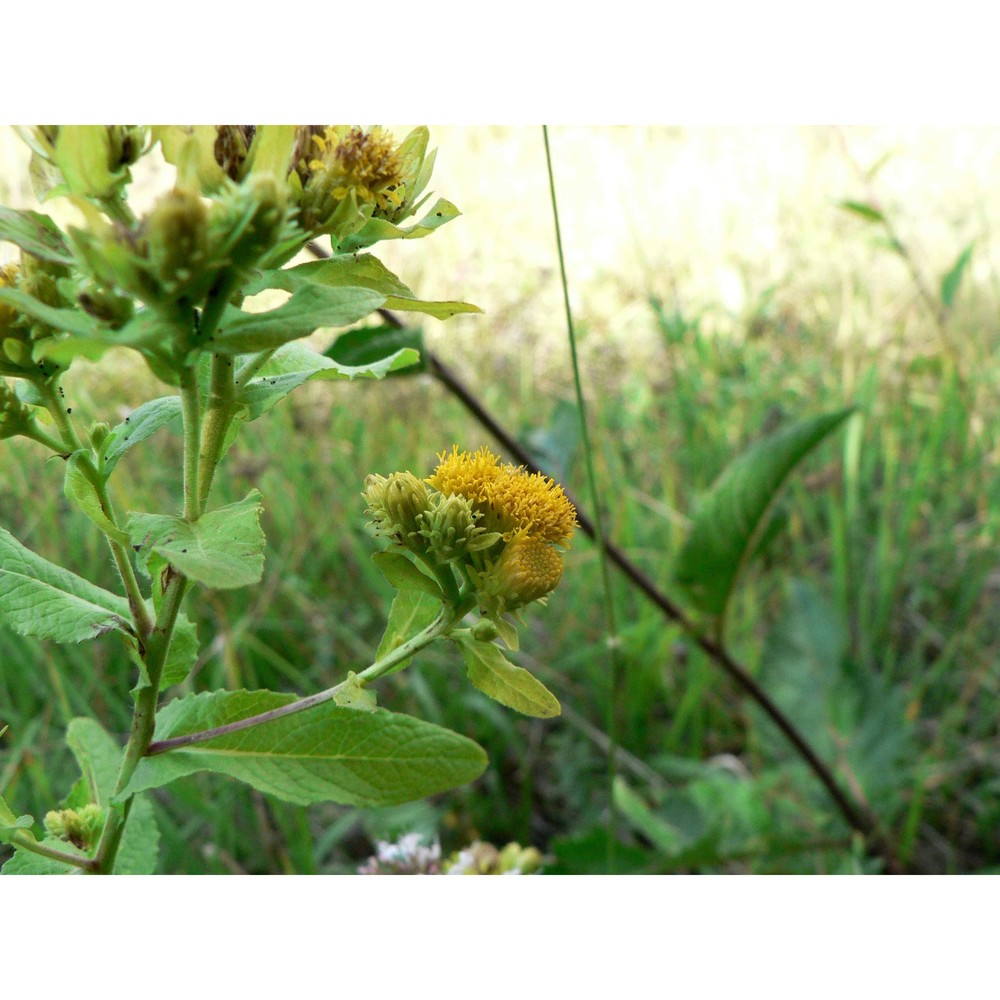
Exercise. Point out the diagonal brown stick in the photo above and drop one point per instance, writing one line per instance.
(858, 816)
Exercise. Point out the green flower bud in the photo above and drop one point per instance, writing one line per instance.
(527, 570)
(394, 504)
(523, 860)
(176, 242)
(248, 221)
(98, 435)
(81, 827)
(485, 631)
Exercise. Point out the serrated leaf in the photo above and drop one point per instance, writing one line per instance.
(35, 233)
(10, 822)
(139, 851)
(953, 279)
(41, 599)
(28, 863)
(493, 674)
(369, 345)
(183, 652)
(80, 489)
(310, 307)
(403, 574)
(325, 754)
(867, 212)
(411, 612)
(98, 756)
(295, 364)
(360, 271)
(728, 517)
(222, 549)
(139, 425)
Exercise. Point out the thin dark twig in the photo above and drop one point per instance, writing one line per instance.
(858, 816)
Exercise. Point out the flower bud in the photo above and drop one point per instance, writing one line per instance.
(80, 827)
(528, 570)
(94, 159)
(395, 504)
(175, 240)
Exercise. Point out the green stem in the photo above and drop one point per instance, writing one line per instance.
(143, 720)
(71, 442)
(28, 843)
(252, 365)
(49, 393)
(221, 405)
(37, 434)
(616, 675)
(191, 410)
(443, 624)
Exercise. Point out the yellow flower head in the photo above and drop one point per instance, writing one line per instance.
(511, 500)
(340, 163)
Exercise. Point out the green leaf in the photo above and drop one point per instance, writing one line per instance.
(310, 307)
(726, 521)
(494, 675)
(324, 754)
(666, 837)
(28, 863)
(138, 853)
(10, 823)
(376, 230)
(80, 489)
(368, 345)
(353, 694)
(403, 574)
(866, 212)
(361, 271)
(35, 233)
(295, 364)
(98, 756)
(851, 715)
(183, 652)
(412, 611)
(953, 279)
(41, 599)
(74, 321)
(222, 549)
(140, 424)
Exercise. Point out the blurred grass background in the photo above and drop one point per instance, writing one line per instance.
(719, 290)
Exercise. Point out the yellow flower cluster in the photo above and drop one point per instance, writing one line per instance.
(510, 500)
(366, 163)
(497, 523)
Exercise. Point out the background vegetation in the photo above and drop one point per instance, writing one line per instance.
(721, 289)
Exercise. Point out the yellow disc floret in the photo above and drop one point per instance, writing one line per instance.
(510, 499)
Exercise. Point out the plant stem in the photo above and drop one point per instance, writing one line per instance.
(191, 410)
(26, 843)
(443, 624)
(70, 443)
(143, 719)
(221, 399)
(616, 674)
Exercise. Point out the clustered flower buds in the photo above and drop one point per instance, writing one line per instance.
(410, 856)
(20, 332)
(80, 827)
(497, 524)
